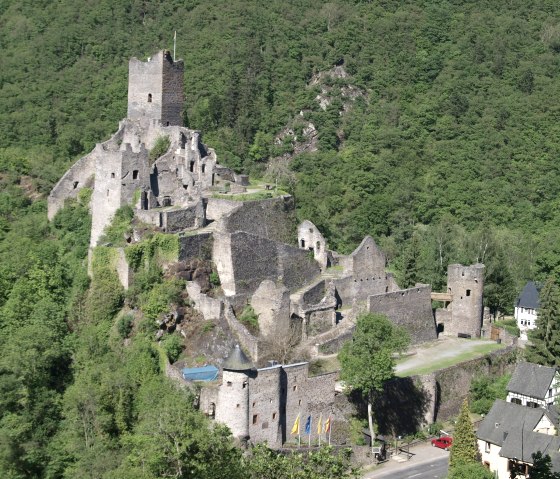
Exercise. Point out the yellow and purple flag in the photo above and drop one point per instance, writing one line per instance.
(319, 424)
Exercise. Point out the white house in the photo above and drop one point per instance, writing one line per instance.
(533, 385)
(526, 308)
(527, 422)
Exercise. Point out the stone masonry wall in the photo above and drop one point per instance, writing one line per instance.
(409, 308)
(273, 219)
(255, 259)
(265, 418)
(195, 246)
(172, 92)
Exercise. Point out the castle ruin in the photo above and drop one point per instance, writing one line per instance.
(306, 295)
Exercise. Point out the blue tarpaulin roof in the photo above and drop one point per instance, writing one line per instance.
(205, 373)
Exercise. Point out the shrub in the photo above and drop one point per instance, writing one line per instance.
(250, 319)
(214, 279)
(173, 346)
(160, 297)
(160, 147)
(124, 325)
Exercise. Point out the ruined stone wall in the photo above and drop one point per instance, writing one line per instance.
(310, 238)
(123, 270)
(265, 418)
(208, 399)
(210, 308)
(368, 261)
(409, 308)
(296, 267)
(273, 219)
(217, 208)
(184, 218)
(79, 176)
(221, 256)
(351, 290)
(320, 321)
(315, 294)
(196, 246)
(106, 198)
(255, 259)
(271, 302)
(248, 342)
(172, 93)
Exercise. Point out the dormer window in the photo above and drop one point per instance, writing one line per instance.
(149, 98)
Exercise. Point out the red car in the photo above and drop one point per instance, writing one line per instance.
(443, 442)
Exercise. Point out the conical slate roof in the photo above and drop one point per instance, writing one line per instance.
(237, 361)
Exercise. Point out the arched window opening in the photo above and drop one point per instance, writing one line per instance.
(149, 98)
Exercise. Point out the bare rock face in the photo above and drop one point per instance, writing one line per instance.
(272, 304)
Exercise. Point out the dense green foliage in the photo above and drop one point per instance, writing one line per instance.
(485, 390)
(323, 463)
(545, 338)
(471, 470)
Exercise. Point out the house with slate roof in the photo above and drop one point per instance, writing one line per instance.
(533, 385)
(527, 422)
(526, 308)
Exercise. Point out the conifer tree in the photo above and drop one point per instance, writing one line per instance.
(464, 449)
(545, 339)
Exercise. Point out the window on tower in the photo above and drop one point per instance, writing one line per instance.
(149, 98)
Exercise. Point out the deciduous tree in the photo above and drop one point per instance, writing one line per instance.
(368, 359)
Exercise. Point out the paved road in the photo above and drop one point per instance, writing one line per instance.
(436, 469)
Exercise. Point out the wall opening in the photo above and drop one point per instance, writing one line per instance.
(468, 292)
(166, 201)
(212, 410)
(273, 416)
(255, 418)
(203, 167)
(302, 243)
(318, 246)
(76, 183)
(149, 98)
(135, 174)
(228, 384)
(167, 124)
(144, 201)
(440, 328)
(191, 166)
(112, 175)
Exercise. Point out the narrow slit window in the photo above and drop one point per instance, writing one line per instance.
(468, 292)
(149, 98)
(135, 174)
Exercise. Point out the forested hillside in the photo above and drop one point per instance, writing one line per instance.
(450, 154)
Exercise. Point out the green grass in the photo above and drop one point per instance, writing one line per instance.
(441, 363)
(259, 195)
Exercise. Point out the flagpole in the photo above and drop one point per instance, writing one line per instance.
(330, 429)
(174, 44)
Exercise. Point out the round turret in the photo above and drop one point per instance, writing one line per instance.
(233, 396)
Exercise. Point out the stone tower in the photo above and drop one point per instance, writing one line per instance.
(233, 396)
(155, 90)
(465, 283)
